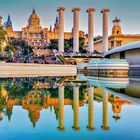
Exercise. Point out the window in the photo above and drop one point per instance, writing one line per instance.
(25, 35)
(112, 44)
(35, 35)
(118, 32)
(118, 43)
(122, 55)
(39, 35)
(30, 35)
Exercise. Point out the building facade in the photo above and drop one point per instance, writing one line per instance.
(34, 34)
(117, 38)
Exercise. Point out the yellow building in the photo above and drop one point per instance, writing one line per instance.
(34, 34)
(117, 38)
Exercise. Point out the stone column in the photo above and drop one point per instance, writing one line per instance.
(61, 29)
(91, 29)
(75, 29)
(61, 108)
(105, 112)
(90, 108)
(76, 107)
(105, 29)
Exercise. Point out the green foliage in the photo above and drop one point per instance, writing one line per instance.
(68, 43)
(54, 44)
(18, 47)
(18, 88)
(2, 39)
(81, 43)
(2, 35)
(0, 48)
(97, 38)
(68, 93)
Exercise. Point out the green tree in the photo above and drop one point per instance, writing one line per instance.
(2, 38)
(54, 44)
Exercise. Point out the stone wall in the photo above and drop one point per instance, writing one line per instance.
(133, 58)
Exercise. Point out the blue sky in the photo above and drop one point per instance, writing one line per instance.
(127, 10)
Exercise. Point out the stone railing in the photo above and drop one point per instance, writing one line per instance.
(35, 70)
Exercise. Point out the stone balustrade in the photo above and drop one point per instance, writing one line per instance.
(35, 70)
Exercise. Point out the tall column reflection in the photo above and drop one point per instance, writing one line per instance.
(76, 107)
(105, 112)
(1, 116)
(61, 108)
(90, 108)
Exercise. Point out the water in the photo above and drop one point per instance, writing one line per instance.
(69, 108)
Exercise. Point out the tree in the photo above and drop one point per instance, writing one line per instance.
(81, 43)
(68, 43)
(2, 38)
(53, 44)
(97, 38)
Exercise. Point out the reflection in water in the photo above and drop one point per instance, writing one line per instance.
(61, 108)
(36, 94)
(76, 107)
(105, 111)
(90, 108)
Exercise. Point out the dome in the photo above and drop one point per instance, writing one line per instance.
(34, 19)
(34, 116)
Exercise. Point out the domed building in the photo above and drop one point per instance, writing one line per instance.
(34, 20)
(34, 34)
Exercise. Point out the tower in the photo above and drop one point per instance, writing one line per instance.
(56, 25)
(116, 30)
(8, 24)
(50, 28)
(117, 107)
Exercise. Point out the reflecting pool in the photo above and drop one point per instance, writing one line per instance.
(69, 108)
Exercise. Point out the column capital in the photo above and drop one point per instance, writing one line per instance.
(60, 9)
(76, 9)
(91, 10)
(105, 10)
